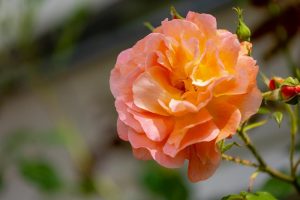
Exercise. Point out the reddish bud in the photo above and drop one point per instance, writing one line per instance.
(275, 83)
(288, 92)
(297, 89)
(272, 84)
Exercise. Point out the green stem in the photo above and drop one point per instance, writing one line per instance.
(296, 165)
(149, 26)
(277, 174)
(239, 161)
(294, 127)
(262, 164)
(243, 135)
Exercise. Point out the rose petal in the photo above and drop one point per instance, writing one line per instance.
(226, 117)
(248, 104)
(170, 29)
(141, 153)
(244, 79)
(157, 128)
(121, 84)
(205, 22)
(122, 130)
(229, 49)
(210, 68)
(125, 116)
(147, 93)
(204, 159)
(150, 88)
(179, 108)
(116, 74)
(155, 148)
(201, 133)
(182, 125)
(204, 132)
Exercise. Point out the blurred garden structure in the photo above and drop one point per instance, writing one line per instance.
(58, 135)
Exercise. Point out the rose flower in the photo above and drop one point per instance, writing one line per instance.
(181, 89)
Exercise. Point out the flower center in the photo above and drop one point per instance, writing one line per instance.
(179, 84)
(185, 85)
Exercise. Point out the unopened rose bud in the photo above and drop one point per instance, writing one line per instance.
(272, 84)
(243, 32)
(290, 94)
(275, 83)
(286, 90)
(297, 89)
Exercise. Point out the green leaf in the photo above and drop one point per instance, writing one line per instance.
(278, 116)
(41, 174)
(290, 81)
(226, 147)
(233, 197)
(278, 188)
(250, 196)
(260, 196)
(263, 111)
(164, 183)
(254, 125)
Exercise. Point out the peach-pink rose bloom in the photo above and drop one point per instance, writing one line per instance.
(182, 89)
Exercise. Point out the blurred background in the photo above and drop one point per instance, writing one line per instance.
(57, 118)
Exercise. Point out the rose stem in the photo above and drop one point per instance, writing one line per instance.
(262, 164)
(293, 135)
(293, 132)
(239, 161)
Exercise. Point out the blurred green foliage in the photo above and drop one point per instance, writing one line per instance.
(68, 35)
(278, 188)
(31, 57)
(37, 171)
(87, 186)
(250, 196)
(22, 138)
(25, 150)
(40, 173)
(165, 183)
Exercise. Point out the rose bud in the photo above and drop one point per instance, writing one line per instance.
(290, 94)
(272, 84)
(275, 83)
(297, 89)
(243, 32)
